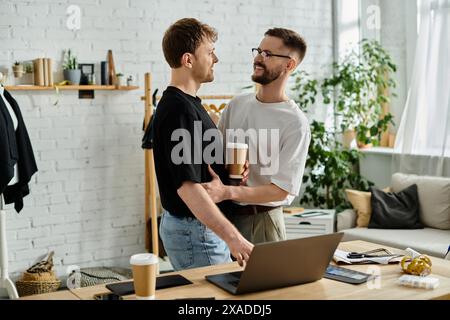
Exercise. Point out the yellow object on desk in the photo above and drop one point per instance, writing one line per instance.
(419, 266)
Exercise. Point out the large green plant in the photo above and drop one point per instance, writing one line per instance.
(330, 168)
(361, 84)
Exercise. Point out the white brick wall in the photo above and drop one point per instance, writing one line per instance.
(87, 200)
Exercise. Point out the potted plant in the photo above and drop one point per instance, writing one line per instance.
(360, 85)
(18, 69)
(330, 168)
(120, 80)
(70, 67)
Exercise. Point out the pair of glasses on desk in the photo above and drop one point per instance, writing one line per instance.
(377, 253)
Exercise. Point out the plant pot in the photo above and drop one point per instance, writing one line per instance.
(73, 76)
(120, 81)
(18, 71)
(362, 145)
(348, 139)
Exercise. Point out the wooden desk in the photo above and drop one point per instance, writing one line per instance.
(58, 295)
(320, 290)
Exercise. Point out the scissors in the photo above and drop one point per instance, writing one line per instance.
(357, 255)
(368, 254)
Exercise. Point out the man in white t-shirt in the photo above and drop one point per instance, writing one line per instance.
(278, 135)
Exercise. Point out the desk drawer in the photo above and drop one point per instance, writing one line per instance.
(297, 227)
(307, 228)
(298, 235)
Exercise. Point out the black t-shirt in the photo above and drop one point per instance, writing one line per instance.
(178, 110)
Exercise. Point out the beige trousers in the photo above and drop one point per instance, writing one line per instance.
(262, 227)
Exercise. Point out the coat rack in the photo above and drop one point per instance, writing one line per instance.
(150, 178)
(5, 281)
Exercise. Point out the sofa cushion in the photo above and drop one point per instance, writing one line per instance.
(429, 241)
(360, 201)
(434, 198)
(395, 210)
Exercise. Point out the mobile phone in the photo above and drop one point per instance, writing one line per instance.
(107, 296)
(346, 275)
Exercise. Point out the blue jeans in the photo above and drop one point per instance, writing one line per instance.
(190, 244)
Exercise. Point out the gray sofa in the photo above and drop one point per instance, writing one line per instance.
(434, 239)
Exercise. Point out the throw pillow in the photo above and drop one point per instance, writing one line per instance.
(434, 197)
(360, 202)
(395, 210)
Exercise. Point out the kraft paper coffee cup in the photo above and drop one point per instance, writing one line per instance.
(144, 267)
(236, 156)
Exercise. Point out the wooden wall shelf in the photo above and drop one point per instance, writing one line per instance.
(79, 87)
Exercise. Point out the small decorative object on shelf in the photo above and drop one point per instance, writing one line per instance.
(111, 69)
(43, 72)
(130, 81)
(28, 67)
(70, 67)
(87, 71)
(120, 80)
(18, 69)
(104, 80)
(91, 79)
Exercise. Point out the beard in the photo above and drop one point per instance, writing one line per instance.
(204, 76)
(267, 76)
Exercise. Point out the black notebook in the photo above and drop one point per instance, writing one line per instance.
(127, 288)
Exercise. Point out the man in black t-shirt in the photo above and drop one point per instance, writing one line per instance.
(194, 231)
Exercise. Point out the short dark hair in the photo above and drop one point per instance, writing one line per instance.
(291, 39)
(185, 36)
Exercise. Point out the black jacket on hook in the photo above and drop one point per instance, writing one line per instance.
(15, 147)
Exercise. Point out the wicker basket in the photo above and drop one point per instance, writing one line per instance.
(27, 288)
(42, 276)
(38, 279)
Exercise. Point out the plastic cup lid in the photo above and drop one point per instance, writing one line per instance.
(237, 146)
(143, 259)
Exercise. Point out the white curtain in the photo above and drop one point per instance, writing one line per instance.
(423, 138)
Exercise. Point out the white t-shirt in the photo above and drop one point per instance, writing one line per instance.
(15, 122)
(281, 144)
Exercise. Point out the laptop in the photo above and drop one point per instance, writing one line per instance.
(281, 264)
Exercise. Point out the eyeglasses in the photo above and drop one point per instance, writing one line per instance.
(266, 54)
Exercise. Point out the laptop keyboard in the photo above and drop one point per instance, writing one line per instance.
(234, 283)
(237, 275)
